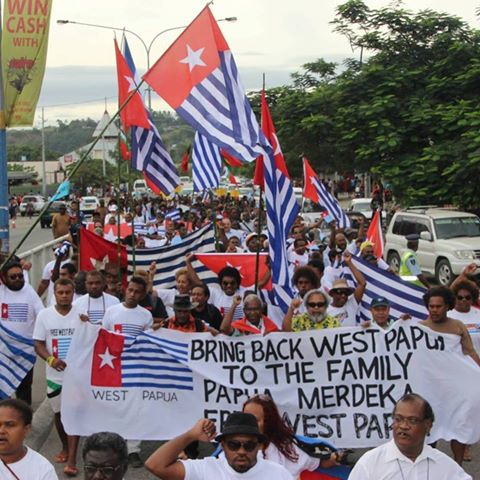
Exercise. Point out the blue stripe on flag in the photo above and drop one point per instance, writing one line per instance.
(206, 162)
(331, 204)
(172, 257)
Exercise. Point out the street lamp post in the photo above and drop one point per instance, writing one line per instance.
(148, 47)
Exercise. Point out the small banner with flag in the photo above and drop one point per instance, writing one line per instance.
(63, 191)
(375, 234)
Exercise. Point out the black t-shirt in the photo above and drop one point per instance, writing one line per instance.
(154, 305)
(210, 315)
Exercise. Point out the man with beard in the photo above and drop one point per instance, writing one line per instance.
(96, 302)
(253, 322)
(408, 455)
(241, 442)
(20, 305)
(315, 317)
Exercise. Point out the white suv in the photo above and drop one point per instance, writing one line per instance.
(449, 240)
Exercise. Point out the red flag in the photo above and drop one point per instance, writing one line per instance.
(95, 251)
(232, 179)
(152, 186)
(134, 112)
(375, 235)
(184, 162)
(189, 60)
(268, 129)
(230, 159)
(106, 361)
(309, 189)
(243, 262)
(113, 231)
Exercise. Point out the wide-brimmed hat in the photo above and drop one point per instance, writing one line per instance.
(342, 284)
(239, 423)
(183, 302)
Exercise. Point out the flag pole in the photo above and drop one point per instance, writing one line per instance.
(259, 227)
(72, 172)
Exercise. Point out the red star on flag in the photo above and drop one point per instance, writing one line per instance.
(106, 360)
(4, 310)
(55, 347)
(117, 328)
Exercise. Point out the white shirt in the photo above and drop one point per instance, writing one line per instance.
(47, 275)
(304, 462)
(129, 321)
(329, 276)
(19, 309)
(347, 314)
(388, 463)
(32, 466)
(56, 330)
(470, 318)
(219, 469)
(95, 308)
(224, 302)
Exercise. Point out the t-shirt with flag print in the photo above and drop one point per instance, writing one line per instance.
(56, 330)
(127, 321)
(224, 302)
(19, 309)
(95, 308)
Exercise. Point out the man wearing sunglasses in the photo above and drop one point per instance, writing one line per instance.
(407, 456)
(241, 441)
(20, 305)
(105, 456)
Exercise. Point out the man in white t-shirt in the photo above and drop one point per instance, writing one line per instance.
(46, 283)
(17, 461)
(241, 441)
(95, 302)
(53, 334)
(19, 305)
(129, 318)
(408, 456)
(346, 300)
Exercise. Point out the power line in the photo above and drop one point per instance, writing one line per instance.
(78, 103)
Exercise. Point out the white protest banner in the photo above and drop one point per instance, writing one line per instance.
(338, 384)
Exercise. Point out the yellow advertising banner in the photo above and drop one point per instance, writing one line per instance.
(24, 54)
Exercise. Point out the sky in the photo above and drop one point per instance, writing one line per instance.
(271, 36)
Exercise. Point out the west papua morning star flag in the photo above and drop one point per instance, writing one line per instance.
(95, 251)
(134, 112)
(17, 358)
(106, 369)
(375, 235)
(245, 263)
(282, 209)
(316, 191)
(197, 76)
(170, 258)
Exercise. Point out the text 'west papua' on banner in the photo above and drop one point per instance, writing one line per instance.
(339, 384)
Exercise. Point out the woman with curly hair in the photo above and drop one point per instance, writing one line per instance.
(282, 446)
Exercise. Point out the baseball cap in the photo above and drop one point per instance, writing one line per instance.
(379, 302)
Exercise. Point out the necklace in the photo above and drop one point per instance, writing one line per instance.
(403, 476)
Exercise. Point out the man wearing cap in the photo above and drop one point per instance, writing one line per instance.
(241, 441)
(345, 299)
(183, 320)
(409, 265)
(380, 310)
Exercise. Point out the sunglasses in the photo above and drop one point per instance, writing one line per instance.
(340, 292)
(233, 282)
(107, 472)
(316, 304)
(235, 445)
(15, 276)
(464, 297)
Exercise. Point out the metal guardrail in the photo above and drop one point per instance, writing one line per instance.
(39, 257)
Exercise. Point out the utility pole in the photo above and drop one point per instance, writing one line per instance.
(44, 170)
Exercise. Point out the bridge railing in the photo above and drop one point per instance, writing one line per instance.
(39, 257)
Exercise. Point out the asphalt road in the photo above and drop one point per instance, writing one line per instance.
(37, 237)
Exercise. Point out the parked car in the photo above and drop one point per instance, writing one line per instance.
(37, 202)
(89, 204)
(46, 217)
(363, 206)
(449, 240)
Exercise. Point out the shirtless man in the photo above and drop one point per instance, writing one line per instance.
(439, 300)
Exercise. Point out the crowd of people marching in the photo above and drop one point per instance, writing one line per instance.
(255, 443)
